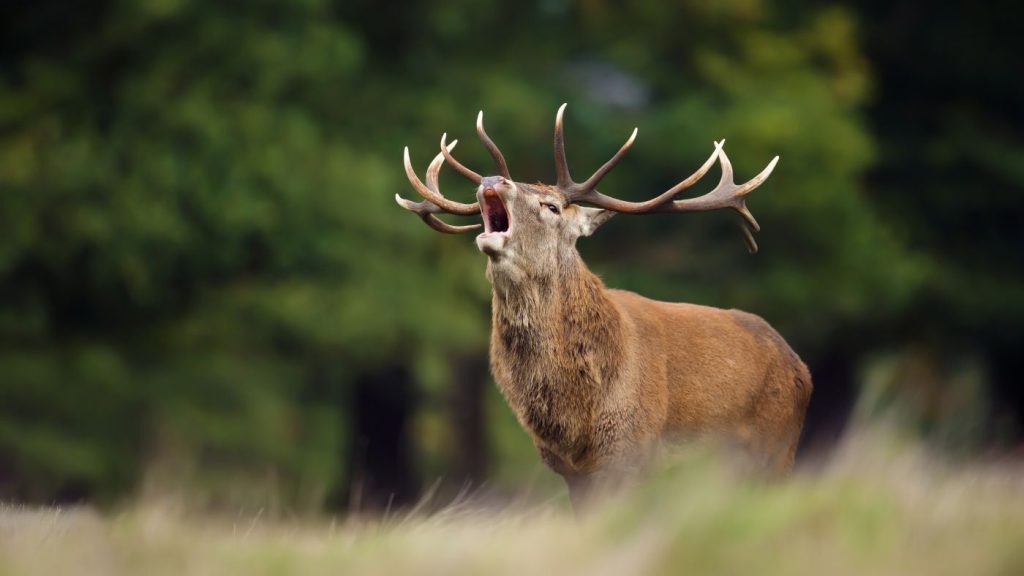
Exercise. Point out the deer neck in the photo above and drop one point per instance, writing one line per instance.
(556, 344)
(547, 306)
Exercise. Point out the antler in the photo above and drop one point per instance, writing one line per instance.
(564, 180)
(499, 159)
(726, 195)
(433, 201)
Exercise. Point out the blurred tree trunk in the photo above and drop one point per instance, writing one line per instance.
(466, 404)
(1007, 368)
(7, 479)
(832, 400)
(383, 475)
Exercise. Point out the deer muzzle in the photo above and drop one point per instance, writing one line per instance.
(497, 219)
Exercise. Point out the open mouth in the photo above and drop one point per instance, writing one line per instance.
(496, 218)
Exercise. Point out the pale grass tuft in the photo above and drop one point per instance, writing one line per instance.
(876, 507)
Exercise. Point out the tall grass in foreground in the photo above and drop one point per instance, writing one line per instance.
(870, 509)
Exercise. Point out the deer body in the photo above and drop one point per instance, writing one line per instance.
(598, 377)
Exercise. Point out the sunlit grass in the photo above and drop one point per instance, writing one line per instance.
(872, 508)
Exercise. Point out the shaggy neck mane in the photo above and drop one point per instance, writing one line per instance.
(552, 311)
(559, 335)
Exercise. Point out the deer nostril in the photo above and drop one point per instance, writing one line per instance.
(492, 181)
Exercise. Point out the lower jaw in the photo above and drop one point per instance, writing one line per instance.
(492, 243)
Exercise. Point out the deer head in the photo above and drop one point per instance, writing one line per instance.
(536, 226)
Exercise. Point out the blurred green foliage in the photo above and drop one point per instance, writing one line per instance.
(201, 257)
(199, 254)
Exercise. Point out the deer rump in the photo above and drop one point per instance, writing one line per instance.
(600, 378)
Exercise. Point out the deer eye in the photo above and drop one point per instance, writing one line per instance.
(554, 209)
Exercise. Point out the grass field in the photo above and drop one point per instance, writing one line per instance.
(870, 509)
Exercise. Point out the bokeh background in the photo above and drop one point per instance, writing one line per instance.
(206, 286)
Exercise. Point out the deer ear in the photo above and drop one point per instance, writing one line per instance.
(590, 219)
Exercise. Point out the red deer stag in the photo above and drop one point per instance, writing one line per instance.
(600, 377)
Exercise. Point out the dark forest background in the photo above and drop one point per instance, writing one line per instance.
(206, 285)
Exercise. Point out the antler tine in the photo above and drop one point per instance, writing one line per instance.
(696, 176)
(563, 179)
(591, 183)
(748, 238)
(469, 174)
(434, 169)
(585, 190)
(431, 192)
(499, 160)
